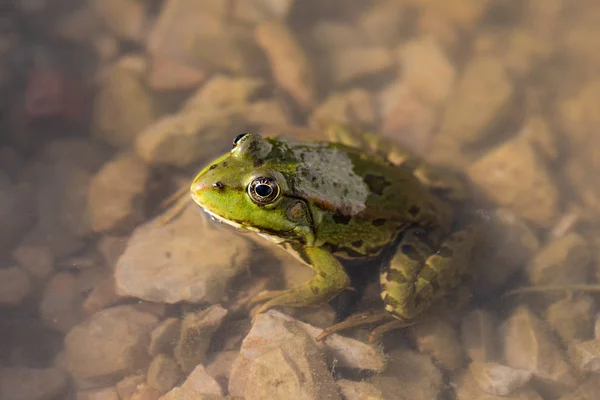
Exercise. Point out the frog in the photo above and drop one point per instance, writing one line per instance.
(352, 198)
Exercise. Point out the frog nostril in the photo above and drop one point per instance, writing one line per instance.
(218, 185)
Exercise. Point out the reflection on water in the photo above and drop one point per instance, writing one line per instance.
(110, 106)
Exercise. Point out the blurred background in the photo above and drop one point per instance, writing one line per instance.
(107, 107)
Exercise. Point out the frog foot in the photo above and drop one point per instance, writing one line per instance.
(356, 320)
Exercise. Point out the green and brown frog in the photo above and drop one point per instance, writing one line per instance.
(356, 198)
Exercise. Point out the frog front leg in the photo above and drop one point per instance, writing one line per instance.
(330, 280)
(419, 275)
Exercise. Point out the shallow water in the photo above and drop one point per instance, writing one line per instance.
(108, 107)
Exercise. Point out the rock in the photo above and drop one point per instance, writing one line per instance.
(15, 286)
(186, 260)
(572, 318)
(256, 11)
(510, 244)
(103, 295)
(164, 337)
(349, 65)
(168, 74)
(480, 97)
(507, 174)
(189, 33)
(498, 379)
(463, 13)
(440, 340)
(383, 22)
(585, 356)
(352, 390)
(468, 389)
(565, 260)
(145, 392)
(115, 195)
(427, 71)
(121, 89)
(163, 373)
(204, 126)
(197, 330)
(272, 112)
(530, 346)
(200, 381)
(110, 345)
(588, 390)
(16, 213)
(540, 134)
(347, 352)
(111, 248)
(409, 376)
(220, 367)
(126, 387)
(355, 107)
(126, 20)
(109, 393)
(38, 260)
(19, 383)
(478, 336)
(278, 359)
(290, 64)
(60, 307)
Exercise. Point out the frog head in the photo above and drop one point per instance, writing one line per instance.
(249, 188)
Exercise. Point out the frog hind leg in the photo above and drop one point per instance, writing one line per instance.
(356, 320)
(330, 280)
(419, 275)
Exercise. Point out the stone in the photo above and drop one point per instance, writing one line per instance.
(355, 107)
(480, 97)
(197, 329)
(349, 65)
(126, 19)
(409, 376)
(498, 379)
(60, 306)
(588, 390)
(15, 286)
(164, 337)
(115, 195)
(20, 383)
(185, 260)
(257, 11)
(38, 260)
(585, 356)
(109, 393)
(383, 22)
(564, 260)
(478, 336)
(111, 247)
(572, 318)
(122, 88)
(200, 381)
(530, 346)
(102, 295)
(220, 367)
(468, 389)
(507, 174)
(278, 359)
(426, 70)
(16, 213)
(352, 390)
(440, 340)
(289, 63)
(168, 74)
(110, 345)
(163, 373)
(126, 387)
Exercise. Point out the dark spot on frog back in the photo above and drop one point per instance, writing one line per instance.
(342, 219)
(379, 221)
(376, 183)
(357, 244)
(212, 167)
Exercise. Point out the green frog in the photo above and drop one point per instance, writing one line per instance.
(355, 198)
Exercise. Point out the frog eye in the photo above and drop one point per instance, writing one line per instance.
(238, 138)
(263, 190)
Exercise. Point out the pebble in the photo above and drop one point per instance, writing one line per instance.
(163, 373)
(572, 318)
(279, 359)
(508, 172)
(102, 295)
(585, 356)
(109, 393)
(360, 63)
(197, 329)
(468, 389)
(38, 260)
(352, 390)
(355, 106)
(498, 379)
(165, 337)
(426, 69)
(478, 336)
(126, 19)
(15, 213)
(440, 340)
(186, 260)
(126, 387)
(15, 286)
(289, 63)
(110, 345)
(530, 346)
(121, 88)
(60, 306)
(480, 97)
(20, 383)
(115, 195)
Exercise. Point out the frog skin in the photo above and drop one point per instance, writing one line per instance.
(354, 198)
